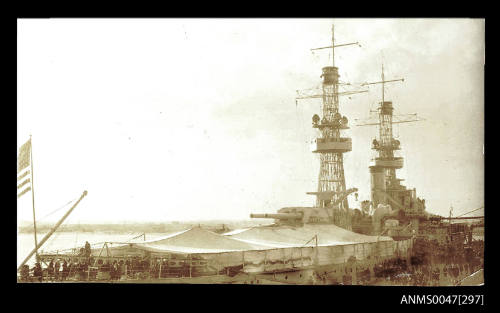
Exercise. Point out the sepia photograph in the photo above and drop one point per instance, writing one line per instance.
(256, 151)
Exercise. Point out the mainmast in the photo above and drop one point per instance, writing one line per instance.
(385, 186)
(333, 45)
(383, 83)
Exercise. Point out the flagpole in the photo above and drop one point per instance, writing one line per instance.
(33, 196)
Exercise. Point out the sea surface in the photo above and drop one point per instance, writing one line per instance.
(69, 240)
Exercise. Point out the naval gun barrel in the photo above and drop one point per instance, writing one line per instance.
(281, 216)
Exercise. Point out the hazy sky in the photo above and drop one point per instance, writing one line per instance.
(184, 119)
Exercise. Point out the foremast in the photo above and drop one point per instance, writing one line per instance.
(331, 144)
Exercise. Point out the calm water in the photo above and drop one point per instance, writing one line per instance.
(65, 240)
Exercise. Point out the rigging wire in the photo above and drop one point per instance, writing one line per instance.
(138, 236)
(300, 120)
(51, 241)
(56, 234)
(470, 211)
(64, 205)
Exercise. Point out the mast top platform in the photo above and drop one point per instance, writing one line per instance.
(330, 75)
(386, 107)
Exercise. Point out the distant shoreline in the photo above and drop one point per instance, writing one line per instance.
(142, 227)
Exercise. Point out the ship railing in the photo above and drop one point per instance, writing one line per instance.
(146, 270)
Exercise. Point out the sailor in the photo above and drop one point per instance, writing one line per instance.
(82, 269)
(164, 268)
(71, 268)
(57, 267)
(87, 249)
(25, 272)
(111, 271)
(37, 272)
(76, 268)
(116, 270)
(65, 270)
(122, 268)
(186, 268)
(50, 270)
(127, 267)
(134, 267)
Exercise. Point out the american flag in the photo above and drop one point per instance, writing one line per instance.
(23, 169)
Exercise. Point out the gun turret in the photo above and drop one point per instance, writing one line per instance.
(283, 218)
(298, 216)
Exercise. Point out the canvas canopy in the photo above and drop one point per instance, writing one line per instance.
(264, 249)
(286, 236)
(196, 240)
(190, 241)
(200, 241)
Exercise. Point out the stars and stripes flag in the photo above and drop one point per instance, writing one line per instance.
(23, 169)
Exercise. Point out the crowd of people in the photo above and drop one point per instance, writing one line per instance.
(56, 270)
(109, 269)
(83, 267)
(397, 273)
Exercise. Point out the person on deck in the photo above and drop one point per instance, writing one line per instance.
(122, 268)
(110, 270)
(116, 270)
(50, 270)
(65, 270)
(106, 268)
(57, 267)
(88, 251)
(83, 270)
(71, 269)
(37, 272)
(25, 273)
(127, 267)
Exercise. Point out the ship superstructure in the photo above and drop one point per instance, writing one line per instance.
(388, 195)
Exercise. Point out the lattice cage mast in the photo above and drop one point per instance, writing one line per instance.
(331, 145)
(385, 186)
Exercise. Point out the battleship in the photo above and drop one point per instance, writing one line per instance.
(389, 240)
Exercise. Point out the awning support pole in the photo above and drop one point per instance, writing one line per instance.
(190, 264)
(161, 262)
